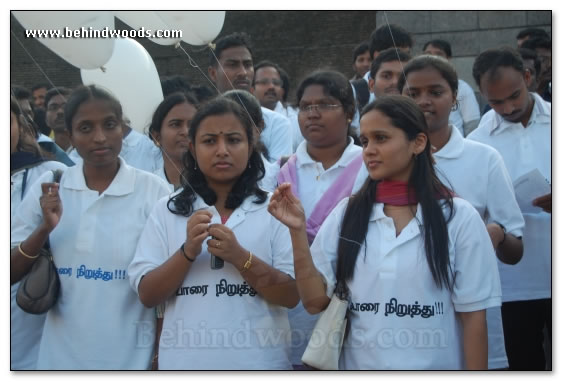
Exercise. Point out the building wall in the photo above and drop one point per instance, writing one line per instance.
(301, 41)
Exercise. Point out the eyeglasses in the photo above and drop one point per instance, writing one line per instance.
(267, 81)
(319, 108)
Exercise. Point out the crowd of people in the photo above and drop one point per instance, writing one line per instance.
(216, 239)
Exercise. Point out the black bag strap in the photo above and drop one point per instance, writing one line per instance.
(362, 92)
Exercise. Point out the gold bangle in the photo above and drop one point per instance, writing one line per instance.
(248, 263)
(25, 254)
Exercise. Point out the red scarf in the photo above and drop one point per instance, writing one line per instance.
(395, 193)
(398, 193)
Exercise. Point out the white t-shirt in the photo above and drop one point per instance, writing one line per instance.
(313, 181)
(523, 150)
(137, 150)
(98, 322)
(398, 317)
(216, 320)
(162, 175)
(277, 134)
(291, 114)
(476, 173)
(25, 328)
(269, 182)
(468, 107)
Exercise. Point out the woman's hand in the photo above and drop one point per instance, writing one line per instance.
(285, 207)
(543, 202)
(51, 205)
(196, 232)
(225, 245)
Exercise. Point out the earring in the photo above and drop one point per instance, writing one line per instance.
(157, 143)
(195, 165)
(249, 165)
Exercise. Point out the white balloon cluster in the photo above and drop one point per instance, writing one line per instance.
(122, 65)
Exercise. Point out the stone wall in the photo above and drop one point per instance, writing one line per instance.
(301, 41)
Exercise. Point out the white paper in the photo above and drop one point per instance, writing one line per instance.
(529, 187)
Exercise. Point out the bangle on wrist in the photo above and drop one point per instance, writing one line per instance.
(184, 253)
(248, 263)
(25, 254)
(504, 232)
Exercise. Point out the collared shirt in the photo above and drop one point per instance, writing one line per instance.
(313, 180)
(468, 109)
(291, 114)
(523, 150)
(277, 134)
(398, 317)
(476, 173)
(216, 320)
(98, 321)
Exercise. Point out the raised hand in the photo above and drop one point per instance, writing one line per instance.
(197, 232)
(51, 205)
(543, 202)
(285, 207)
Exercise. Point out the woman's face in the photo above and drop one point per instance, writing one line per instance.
(97, 134)
(14, 132)
(221, 149)
(322, 128)
(173, 135)
(388, 154)
(432, 94)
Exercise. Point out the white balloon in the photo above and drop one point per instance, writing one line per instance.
(198, 27)
(131, 76)
(84, 53)
(148, 20)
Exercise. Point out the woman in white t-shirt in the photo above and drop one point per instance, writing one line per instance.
(417, 263)
(169, 132)
(27, 163)
(97, 321)
(476, 172)
(215, 256)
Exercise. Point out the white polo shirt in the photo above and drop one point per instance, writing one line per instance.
(98, 322)
(277, 134)
(525, 149)
(269, 182)
(25, 328)
(468, 107)
(398, 317)
(292, 114)
(476, 173)
(137, 150)
(216, 320)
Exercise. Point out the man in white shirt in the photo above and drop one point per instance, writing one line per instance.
(231, 67)
(519, 127)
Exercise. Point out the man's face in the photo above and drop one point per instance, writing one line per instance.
(55, 113)
(507, 93)
(435, 51)
(39, 97)
(386, 79)
(362, 64)
(234, 70)
(268, 87)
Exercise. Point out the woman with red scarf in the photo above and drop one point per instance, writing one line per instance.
(416, 261)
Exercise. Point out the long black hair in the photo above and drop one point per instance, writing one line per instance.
(429, 191)
(193, 180)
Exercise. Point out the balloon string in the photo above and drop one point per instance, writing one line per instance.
(396, 51)
(38, 66)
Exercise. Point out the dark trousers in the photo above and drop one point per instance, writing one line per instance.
(523, 324)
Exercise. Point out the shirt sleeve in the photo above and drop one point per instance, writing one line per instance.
(282, 250)
(152, 248)
(29, 215)
(468, 105)
(324, 249)
(502, 206)
(277, 136)
(476, 278)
